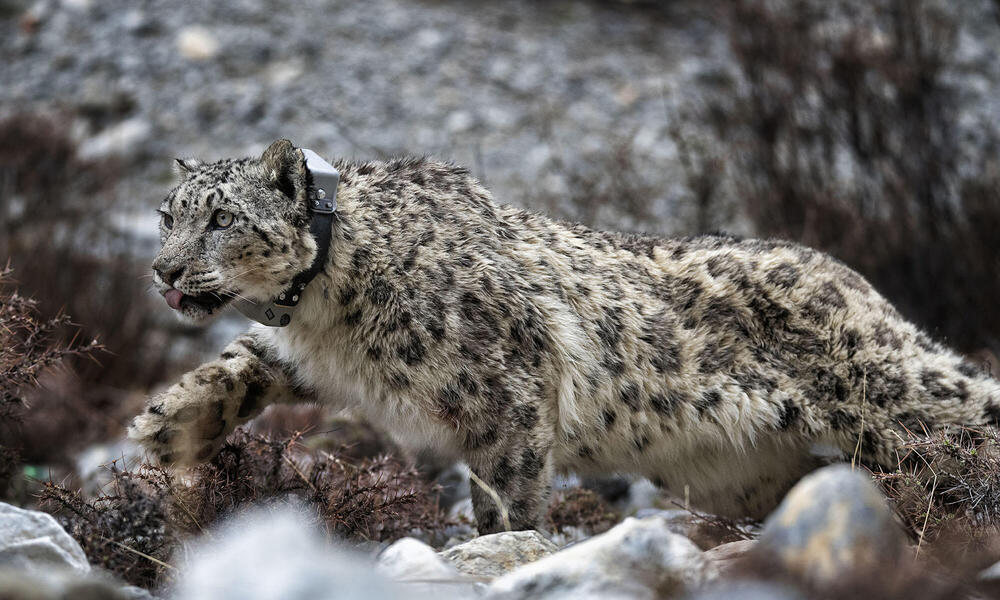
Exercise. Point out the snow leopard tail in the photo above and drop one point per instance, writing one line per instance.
(947, 391)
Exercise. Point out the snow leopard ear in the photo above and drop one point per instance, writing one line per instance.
(285, 168)
(183, 167)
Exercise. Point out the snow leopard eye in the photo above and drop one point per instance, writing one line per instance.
(167, 220)
(222, 219)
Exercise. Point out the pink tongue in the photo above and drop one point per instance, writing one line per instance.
(173, 298)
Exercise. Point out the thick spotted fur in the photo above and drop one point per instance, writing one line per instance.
(524, 345)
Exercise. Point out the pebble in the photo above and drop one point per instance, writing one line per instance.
(197, 43)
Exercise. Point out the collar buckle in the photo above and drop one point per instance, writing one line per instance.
(326, 178)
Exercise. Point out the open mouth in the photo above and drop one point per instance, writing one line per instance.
(207, 302)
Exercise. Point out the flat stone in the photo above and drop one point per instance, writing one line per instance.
(495, 554)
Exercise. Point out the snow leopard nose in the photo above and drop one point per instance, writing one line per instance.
(168, 275)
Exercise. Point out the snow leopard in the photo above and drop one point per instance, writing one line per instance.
(526, 346)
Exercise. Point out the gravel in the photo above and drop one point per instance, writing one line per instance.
(515, 90)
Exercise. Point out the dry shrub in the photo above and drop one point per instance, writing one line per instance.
(320, 428)
(150, 511)
(946, 492)
(372, 499)
(127, 531)
(29, 345)
(583, 508)
(57, 228)
(846, 138)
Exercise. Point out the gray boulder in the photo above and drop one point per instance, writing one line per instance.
(831, 523)
(34, 541)
(489, 556)
(639, 558)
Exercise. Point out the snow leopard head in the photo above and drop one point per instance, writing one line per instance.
(233, 228)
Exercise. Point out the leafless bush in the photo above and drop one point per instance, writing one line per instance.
(133, 530)
(128, 530)
(847, 140)
(946, 492)
(580, 507)
(29, 344)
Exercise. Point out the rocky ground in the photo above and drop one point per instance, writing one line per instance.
(833, 536)
(524, 93)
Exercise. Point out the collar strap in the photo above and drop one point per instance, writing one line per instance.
(322, 198)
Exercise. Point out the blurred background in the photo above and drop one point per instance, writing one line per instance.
(866, 128)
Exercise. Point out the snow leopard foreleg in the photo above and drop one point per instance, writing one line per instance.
(189, 423)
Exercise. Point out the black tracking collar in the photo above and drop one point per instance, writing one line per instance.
(322, 197)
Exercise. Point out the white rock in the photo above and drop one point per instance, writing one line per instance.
(414, 563)
(636, 559)
(570, 534)
(642, 494)
(411, 559)
(197, 43)
(120, 139)
(492, 555)
(271, 555)
(463, 510)
(34, 541)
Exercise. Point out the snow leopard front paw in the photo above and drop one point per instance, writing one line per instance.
(188, 423)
